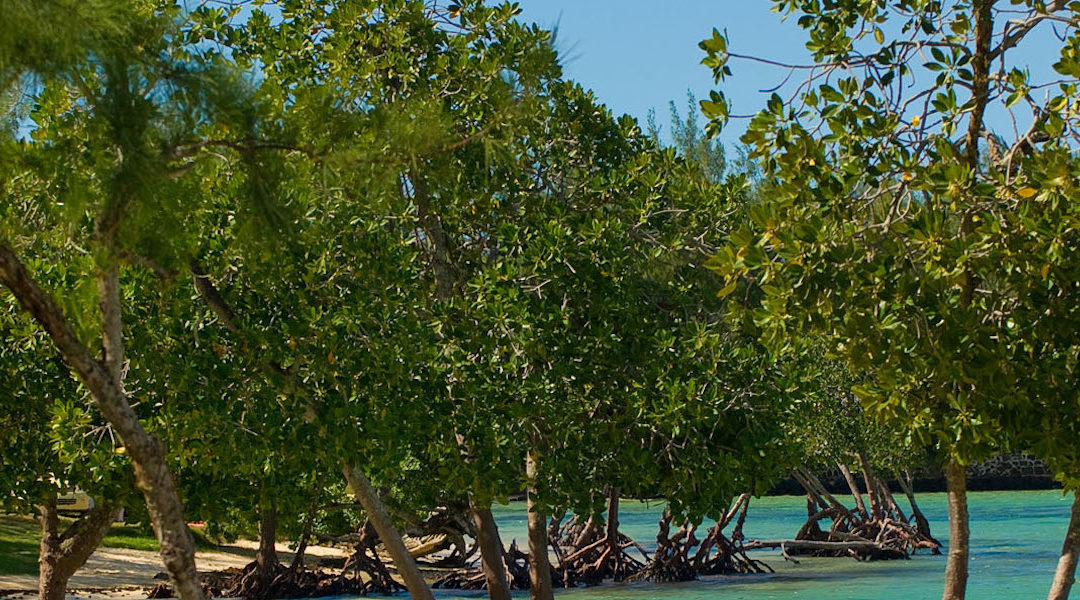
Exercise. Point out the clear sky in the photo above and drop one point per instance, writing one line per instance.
(642, 54)
(638, 54)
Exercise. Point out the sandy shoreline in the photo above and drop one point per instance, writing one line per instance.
(123, 574)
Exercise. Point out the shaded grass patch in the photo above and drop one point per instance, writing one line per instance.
(18, 546)
(20, 537)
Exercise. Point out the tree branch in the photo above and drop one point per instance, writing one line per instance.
(1013, 37)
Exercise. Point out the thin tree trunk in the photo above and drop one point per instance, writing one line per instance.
(388, 534)
(438, 242)
(305, 533)
(814, 502)
(152, 475)
(539, 566)
(612, 522)
(854, 487)
(736, 533)
(956, 569)
(921, 524)
(877, 507)
(813, 485)
(890, 501)
(825, 499)
(61, 554)
(1066, 569)
(266, 558)
(491, 552)
(736, 507)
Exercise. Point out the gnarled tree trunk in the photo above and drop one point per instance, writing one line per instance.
(1066, 569)
(152, 475)
(62, 554)
(539, 565)
(956, 569)
(388, 534)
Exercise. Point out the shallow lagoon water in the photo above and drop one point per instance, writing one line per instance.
(1016, 537)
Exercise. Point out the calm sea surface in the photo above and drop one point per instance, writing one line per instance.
(1016, 537)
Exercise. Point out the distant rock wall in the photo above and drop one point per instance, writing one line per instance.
(1009, 466)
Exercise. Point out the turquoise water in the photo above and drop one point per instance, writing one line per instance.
(1016, 537)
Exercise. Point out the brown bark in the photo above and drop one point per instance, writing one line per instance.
(305, 533)
(736, 533)
(980, 96)
(539, 565)
(889, 501)
(491, 553)
(612, 523)
(1070, 549)
(152, 475)
(736, 508)
(854, 487)
(112, 342)
(980, 81)
(388, 534)
(438, 242)
(956, 569)
(921, 523)
(61, 554)
(813, 485)
(266, 557)
(877, 506)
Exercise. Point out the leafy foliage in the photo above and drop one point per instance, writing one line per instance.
(924, 246)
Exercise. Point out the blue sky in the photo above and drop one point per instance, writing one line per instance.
(638, 54)
(642, 54)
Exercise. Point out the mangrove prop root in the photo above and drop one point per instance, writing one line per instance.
(682, 557)
(594, 552)
(517, 571)
(883, 532)
(286, 583)
(370, 576)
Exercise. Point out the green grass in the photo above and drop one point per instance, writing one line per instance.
(19, 538)
(18, 546)
(135, 537)
(131, 537)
